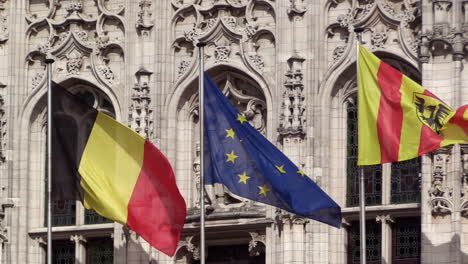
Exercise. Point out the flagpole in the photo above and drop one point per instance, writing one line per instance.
(49, 62)
(201, 95)
(362, 202)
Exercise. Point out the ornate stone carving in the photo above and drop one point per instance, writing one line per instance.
(106, 73)
(296, 8)
(144, 22)
(440, 195)
(379, 36)
(257, 61)
(222, 53)
(384, 219)
(74, 7)
(441, 11)
(37, 79)
(254, 114)
(256, 244)
(4, 35)
(197, 170)
(183, 67)
(292, 119)
(78, 239)
(345, 20)
(338, 53)
(140, 114)
(74, 62)
(250, 30)
(465, 14)
(193, 249)
(464, 181)
(192, 35)
(230, 22)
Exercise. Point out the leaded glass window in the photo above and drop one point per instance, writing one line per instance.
(64, 213)
(405, 181)
(232, 254)
(100, 251)
(407, 240)
(63, 252)
(91, 217)
(372, 174)
(373, 242)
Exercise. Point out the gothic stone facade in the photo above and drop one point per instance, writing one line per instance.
(289, 66)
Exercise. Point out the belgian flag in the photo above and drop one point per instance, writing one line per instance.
(114, 171)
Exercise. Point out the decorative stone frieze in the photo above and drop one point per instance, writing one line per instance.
(386, 23)
(440, 194)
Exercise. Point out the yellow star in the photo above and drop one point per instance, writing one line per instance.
(301, 172)
(241, 118)
(263, 190)
(280, 168)
(231, 157)
(243, 177)
(230, 133)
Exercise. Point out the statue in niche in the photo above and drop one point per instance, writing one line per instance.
(197, 169)
(254, 114)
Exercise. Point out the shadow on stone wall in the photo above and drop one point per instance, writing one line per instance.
(449, 252)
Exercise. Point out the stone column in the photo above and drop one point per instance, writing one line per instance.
(80, 248)
(386, 221)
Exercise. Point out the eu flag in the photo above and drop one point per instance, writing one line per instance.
(242, 159)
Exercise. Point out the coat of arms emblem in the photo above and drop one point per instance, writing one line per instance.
(431, 111)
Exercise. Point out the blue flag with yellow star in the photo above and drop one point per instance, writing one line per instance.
(241, 158)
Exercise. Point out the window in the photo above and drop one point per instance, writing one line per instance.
(403, 177)
(373, 242)
(405, 181)
(406, 241)
(100, 251)
(373, 174)
(63, 252)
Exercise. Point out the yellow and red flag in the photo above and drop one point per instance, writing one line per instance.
(114, 171)
(398, 118)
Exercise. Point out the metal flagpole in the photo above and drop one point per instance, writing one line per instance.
(362, 202)
(49, 62)
(201, 95)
